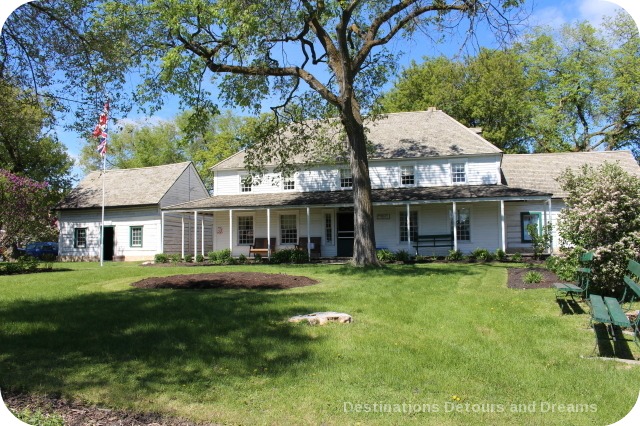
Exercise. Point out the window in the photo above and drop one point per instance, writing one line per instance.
(413, 226)
(80, 237)
(135, 236)
(245, 230)
(458, 173)
(288, 184)
(526, 219)
(288, 229)
(407, 175)
(463, 227)
(328, 228)
(245, 183)
(346, 180)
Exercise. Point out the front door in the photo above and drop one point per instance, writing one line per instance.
(108, 242)
(346, 229)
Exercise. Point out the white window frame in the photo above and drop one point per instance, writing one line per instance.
(462, 163)
(289, 240)
(244, 188)
(402, 223)
(455, 222)
(131, 239)
(253, 228)
(344, 174)
(330, 216)
(401, 172)
(287, 180)
(75, 237)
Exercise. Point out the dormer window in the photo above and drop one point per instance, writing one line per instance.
(458, 173)
(346, 180)
(407, 175)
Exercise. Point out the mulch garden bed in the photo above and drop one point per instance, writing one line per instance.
(77, 414)
(234, 280)
(516, 278)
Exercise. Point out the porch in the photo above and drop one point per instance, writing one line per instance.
(233, 222)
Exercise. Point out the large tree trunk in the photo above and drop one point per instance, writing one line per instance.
(364, 245)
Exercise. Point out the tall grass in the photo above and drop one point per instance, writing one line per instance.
(452, 339)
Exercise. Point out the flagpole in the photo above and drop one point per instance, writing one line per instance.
(101, 132)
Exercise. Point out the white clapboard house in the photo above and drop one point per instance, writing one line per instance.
(430, 176)
(134, 227)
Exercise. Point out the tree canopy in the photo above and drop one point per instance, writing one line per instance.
(573, 90)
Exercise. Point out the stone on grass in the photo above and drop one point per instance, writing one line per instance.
(322, 318)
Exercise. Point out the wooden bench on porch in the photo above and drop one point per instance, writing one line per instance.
(260, 247)
(315, 246)
(435, 240)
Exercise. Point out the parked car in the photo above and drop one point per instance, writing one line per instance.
(38, 250)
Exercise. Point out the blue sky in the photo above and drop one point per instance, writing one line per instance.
(542, 12)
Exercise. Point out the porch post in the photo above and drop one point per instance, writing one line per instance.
(308, 234)
(202, 236)
(162, 232)
(503, 232)
(231, 230)
(269, 234)
(182, 245)
(552, 226)
(195, 233)
(455, 227)
(409, 229)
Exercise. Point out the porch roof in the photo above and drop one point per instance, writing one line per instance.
(425, 195)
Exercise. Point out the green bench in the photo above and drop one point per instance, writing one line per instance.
(431, 241)
(582, 285)
(610, 312)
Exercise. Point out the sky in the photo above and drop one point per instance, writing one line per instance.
(553, 13)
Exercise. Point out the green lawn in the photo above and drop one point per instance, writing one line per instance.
(426, 336)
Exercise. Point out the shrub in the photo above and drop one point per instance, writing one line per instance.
(532, 277)
(455, 255)
(540, 241)
(282, 256)
(188, 258)
(221, 256)
(161, 258)
(385, 255)
(242, 259)
(299, 256)
(175, 258)
(481, 254)
(500, 255)
(403, 256)
(199, 258)
(563, 267)
(602, 215)
(257, 258)
(516, 257)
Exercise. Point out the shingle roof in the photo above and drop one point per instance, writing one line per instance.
(540, 171)
(408, 135)
(124, 187)
(379, 196)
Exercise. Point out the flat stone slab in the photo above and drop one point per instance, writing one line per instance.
(322, 318)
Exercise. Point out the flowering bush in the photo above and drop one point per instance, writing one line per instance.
(602, 215)
(25, 207)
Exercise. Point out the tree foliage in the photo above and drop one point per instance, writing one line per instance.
(24, 215)
(26, 146)
(487, 91)
(573, 90)
(602, 215)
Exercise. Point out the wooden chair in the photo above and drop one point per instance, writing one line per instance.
(316, 243)
(259, 246)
